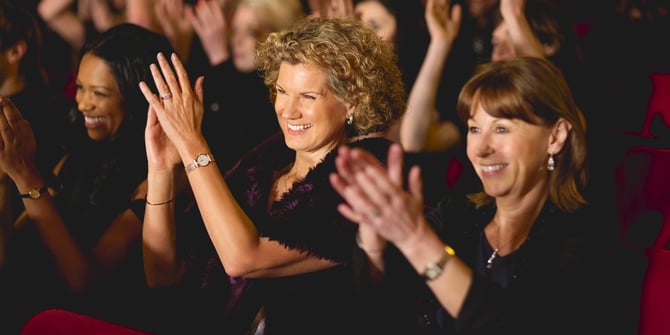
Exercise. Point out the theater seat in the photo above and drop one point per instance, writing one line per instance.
(655, 298)
(63, 322)
(643, 205)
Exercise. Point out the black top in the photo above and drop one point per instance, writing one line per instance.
(547, 286)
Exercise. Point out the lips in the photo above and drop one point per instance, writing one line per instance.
(93, 121)
(298, 127)
(493, 167)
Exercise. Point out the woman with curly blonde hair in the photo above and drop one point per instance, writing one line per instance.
(272, 219)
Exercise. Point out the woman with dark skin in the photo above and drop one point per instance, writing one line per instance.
(79, 236)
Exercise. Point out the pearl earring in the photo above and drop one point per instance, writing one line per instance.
(551, 164)
(350, 119)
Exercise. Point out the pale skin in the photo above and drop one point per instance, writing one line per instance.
(79, 269)
(419, 129)
(513, 37)
(510, 158)
(173, 138)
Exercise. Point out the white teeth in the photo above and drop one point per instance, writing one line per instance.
(94, 120)
(491, 168)
(299, 127)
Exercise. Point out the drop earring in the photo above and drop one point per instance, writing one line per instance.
(350, 119)
(551, 164)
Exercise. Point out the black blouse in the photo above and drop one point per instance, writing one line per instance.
(547, 286)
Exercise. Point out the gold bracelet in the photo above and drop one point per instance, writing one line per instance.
(369, 251)
(158, 203)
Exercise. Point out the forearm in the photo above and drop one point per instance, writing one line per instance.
(142, 13)
(162, 265)
(234, 236)
(422, 98)
(5, 215)
(102, 16)
(452, 285)
(68, 26)
(525, 41)
(49, 9)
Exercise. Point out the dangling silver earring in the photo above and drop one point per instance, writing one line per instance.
(551, 164)
(350, 119)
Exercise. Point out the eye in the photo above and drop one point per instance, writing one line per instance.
(309, 96)
(501, 130)
(100, 94)
(280, 90)
(473, 130)
(79, 87)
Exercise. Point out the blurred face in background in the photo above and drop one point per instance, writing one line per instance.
(376, 16)
(479, 8)
(248, 29)
(503, 47)
(99, 98)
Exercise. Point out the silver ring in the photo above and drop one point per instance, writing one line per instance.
(375, 213)
(166, 96)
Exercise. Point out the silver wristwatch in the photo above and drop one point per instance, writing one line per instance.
(199, 161)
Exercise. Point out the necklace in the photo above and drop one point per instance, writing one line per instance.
(495, 254)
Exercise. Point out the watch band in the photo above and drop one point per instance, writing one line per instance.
(35, 193)
(434, 270)
(199, 161)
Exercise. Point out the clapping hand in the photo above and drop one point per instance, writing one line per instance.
(17, 142)
(375, 197)
(176, 111)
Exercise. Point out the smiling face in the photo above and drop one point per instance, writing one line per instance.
(508, 155)
(98, 98)
(378, 18)
(309, 114)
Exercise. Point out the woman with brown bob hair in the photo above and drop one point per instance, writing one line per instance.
(518, 257)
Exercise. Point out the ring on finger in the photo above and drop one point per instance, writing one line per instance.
(374, 213)
(166, 96)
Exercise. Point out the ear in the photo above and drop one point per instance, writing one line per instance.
(550, 49)
(351, 108)
(16, 52)
(559, 134)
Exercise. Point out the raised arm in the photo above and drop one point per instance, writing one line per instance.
(60, 17)
(241, 250)
(419, 124)
(524, 40)
(78, 268)
(172, 16)
(210, 23)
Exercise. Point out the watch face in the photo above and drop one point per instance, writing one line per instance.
(34, 194)
(432, 272)
(203, 160)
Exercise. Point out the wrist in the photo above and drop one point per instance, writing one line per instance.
(370, 250)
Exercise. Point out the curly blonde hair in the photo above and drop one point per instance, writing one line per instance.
(362, 69)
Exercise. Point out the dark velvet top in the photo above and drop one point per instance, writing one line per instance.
(306, 219)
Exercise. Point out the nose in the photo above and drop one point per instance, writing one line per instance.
(287, 108)
(84, 103)
(481, 146)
